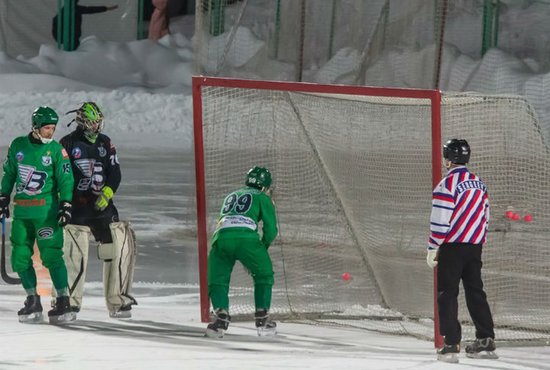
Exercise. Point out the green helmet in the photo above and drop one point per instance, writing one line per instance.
(258, 177)
(89, 118)
(43, 116)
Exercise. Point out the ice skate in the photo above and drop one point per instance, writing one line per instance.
(122, 312)
(31, 313)
(265, 326)
(217, 328)
(482, 348)
(448, 353)
(75, 309)
(61, 313)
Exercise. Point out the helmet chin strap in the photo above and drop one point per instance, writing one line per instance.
(42, 139)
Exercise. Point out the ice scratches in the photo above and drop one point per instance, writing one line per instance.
(302, 341)
(142, 329)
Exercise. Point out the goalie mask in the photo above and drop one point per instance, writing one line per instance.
(258, 177)
(457, 151)
(89, 119)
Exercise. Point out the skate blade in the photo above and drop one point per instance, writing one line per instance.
(489, 355)
(448, 357)
(267, 332)
(33, 318)
(218, 334)
(63, 319)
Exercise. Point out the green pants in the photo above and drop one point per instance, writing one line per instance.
(49, 238)
(254, 257)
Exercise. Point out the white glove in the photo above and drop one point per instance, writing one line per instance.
(431, 258)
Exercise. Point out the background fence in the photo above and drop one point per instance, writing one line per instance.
(27, 24)
(304, 35)
(487, 46)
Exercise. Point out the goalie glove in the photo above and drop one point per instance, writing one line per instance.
(4, 206)
(64, 215)
(431, 257)
(103, 198)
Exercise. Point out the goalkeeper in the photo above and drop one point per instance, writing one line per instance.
(237, 238)
(97, 178)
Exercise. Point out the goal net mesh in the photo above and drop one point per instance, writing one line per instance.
(352, 186)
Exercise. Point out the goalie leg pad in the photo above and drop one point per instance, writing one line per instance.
(118, 273)
(106, 251)
(75, 255)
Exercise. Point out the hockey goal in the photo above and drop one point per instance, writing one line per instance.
(353, 171)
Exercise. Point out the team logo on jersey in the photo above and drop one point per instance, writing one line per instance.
(93, 176)
(19, 156)
(86, 166)
(45, 233)
(102, 151)
(77, 153)
(46, 160)
(31, 181)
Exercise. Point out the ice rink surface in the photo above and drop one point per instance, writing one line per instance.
(157, 196)
(165, 332)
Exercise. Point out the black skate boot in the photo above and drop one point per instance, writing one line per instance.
(482, 348)
(75, 309)
(449, 353)
(122, 312)
(31, 313)
(265, 326)
(61, 313)
(217, 328)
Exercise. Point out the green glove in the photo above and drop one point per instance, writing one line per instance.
(103, 198)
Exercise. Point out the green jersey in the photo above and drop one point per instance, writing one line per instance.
(241, 212)
(41, 174)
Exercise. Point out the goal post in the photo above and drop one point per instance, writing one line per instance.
(353, 169)
(212, 184)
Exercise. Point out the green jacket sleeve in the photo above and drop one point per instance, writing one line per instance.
(10, 173)
(64, 175)
(269, 218)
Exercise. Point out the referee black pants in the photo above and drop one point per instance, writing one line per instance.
(455, 262)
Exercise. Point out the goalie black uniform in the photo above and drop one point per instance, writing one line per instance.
(97, 178)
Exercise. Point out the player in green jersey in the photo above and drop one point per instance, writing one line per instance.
(39, 169)
(237, 239)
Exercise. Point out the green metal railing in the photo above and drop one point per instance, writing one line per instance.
(491, 14)
(217, 16)
(141, 32)
(65, 24)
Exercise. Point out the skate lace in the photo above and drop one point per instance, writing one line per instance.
(30, 301)
(263, 320)
(222, 320)
(449, 348)
(484, 344)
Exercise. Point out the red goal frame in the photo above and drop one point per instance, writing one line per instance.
(199, 81)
